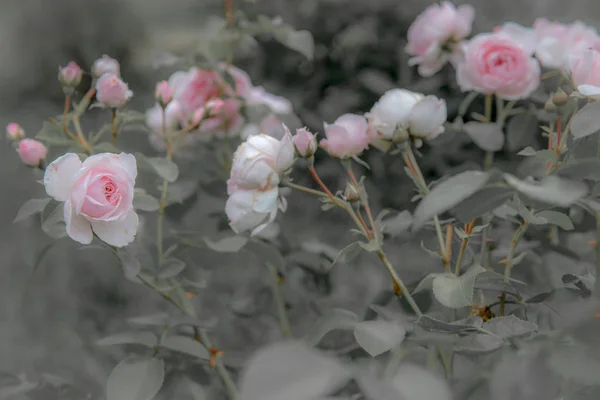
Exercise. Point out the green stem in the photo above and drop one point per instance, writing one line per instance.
(489, 155)
(284, 321)
(461, 255)
(399, 283)
(597, 284)
(163, 196)
(519, 232)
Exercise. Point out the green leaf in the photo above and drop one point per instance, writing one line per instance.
(290, 370)
(158, 319)
(557, 218)
(456, 292)
(164, 168)
(334, 319)
(184, 344)
(435, 325)
(145, 338)
(171, 268)
(52, 133)
(130, 263)
(53, 219)
(478, 343)
(145, 202)
(398, 224)
(552, 190)
(509, 327)
(586, 121)
(378, 336)
(347, 254)
(546, 155)
(521, 131)
(231, 244)
(584, 168)
(32, 206)
(300, 41)
(135, 379)
(482, 202)
(488, 136)
(447, 195)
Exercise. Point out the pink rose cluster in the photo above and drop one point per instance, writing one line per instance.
(205, 93)
(111, 91)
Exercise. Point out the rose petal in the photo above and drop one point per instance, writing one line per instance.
(78, 228)
(427, 116)
(117, 233)
(589, 90)
(285, 158)
(58, 178)
(129, 164)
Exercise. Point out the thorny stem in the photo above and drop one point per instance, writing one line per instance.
(399, 286)
(463, 246)
(597, 284)
(284, 322)
(519, 232)
(113, 126)
(163, 198)
(363, 201)
(80, 137)
(317, 179)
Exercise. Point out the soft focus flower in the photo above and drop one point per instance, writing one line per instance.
(497, 64)
(70, 76)
(400, 112)
(98, 196)
(163, 93)
(553, 43)
(434, 32)
(112, 91)
(105, 65)
(195, 87)
(32, 152)
(305, 142)
(14, 131)
(277, 104)
(252, 210)
(223, 118)
(585, 72)
(526, 37)
(346, 137)
(243, 84)
(173, 114)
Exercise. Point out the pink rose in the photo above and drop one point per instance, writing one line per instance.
(223, 118)
(32, 152)
(497, 64)
(582, 37)
(163, 93)
(305, 142)
(112, 91)
(346, 137)
(553, 43)
(585, 72)
(432, 30)
(105, 65)
(70, 75)
(243, 84)
(526, 37)
(194, 88)
(14, 131)
(98, 196)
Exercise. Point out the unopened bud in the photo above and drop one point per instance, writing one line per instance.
(196, 117)
(105, 65)
(560, 98)
(32, 152)
(15, 132)
(163, 93)
(305, 143)
(112, 91)
(550, 106)
(214, 107)
(70, 76)
(351, 193)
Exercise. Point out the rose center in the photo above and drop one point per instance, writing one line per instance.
(111, 192)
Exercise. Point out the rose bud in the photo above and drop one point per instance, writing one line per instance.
(32, 152)
(163, 93)
(112, 91)
(346, 137)
(70, 76)
(15, 132)
(105, 65)
(305, 142)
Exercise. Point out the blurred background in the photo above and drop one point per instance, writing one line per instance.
(50, 317)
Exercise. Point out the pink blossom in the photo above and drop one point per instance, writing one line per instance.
(14, 131)
(223, 118)
(70, 75)
(32, 152)
(585, 72)
(105, 65)
(111, 91)
(242, 81)
(194, 88)
(346, 137)
(526, 37)
(163, 93)
(305, 142)
(98, 196)
(497, 64)
(437, 27)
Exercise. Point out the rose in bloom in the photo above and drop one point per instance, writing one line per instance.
(163, 93)
(195, 87)
(585, 72)
(14, 131)
(243, 83)
(497, 64)
(346, 137)
(70, 75)
(105, 65)
(112, 91)
(526, 37)
(305, 142)
(257, 166)
(32, 152)
(98, 196)
(400, 112)
(439, 26)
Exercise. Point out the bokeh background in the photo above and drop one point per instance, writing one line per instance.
(50, 317)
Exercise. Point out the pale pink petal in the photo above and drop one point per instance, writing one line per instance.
(78, 228)
(589, 90)
(58, 178)
(117, 233)
(285, 158)
(129, 164)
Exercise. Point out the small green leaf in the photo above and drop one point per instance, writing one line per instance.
(334, 319)
(552, 190)
(145, 202)
(184, 344)
(435, 325)
(130, 263)
(231, 244)
(482, 202)
(347, 254)
(586, 121)
(135, 379)
(145, 338)
(301, 41)
(398, 224)
(370, 247)
(509, 327)
(53, 219)
(488, 136)
(163, 167)
(171, 268)
(557, 218)
(32, 206)
(546, 155)
(52, 133)
(584, 168)
(447, 195)
(378, 336)
(456, 292)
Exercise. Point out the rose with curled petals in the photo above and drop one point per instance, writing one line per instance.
(97, 196)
